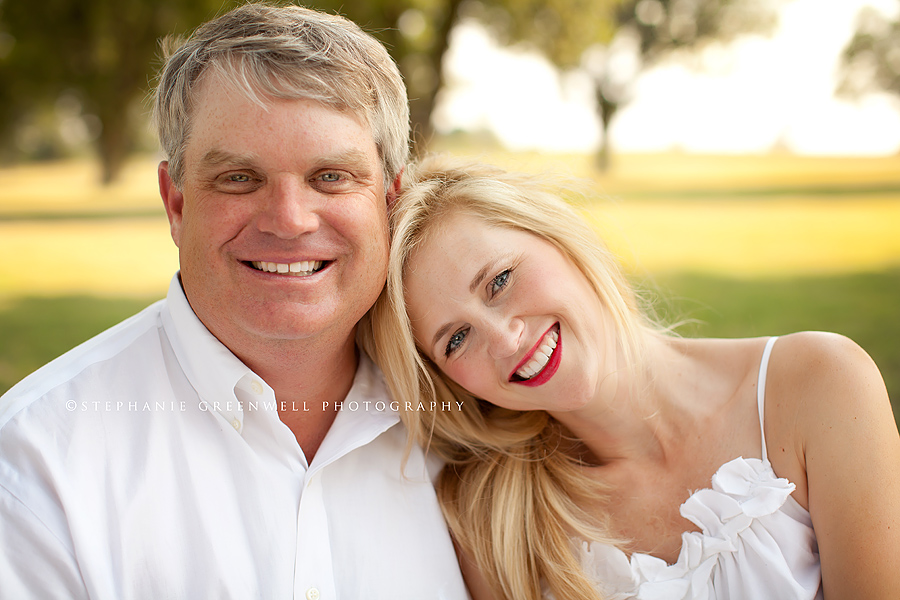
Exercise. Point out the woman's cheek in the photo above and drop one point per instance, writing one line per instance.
(464, 372)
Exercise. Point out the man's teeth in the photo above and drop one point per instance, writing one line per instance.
(539, 359)
(305, 267)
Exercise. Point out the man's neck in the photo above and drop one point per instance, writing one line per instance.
(309, 381)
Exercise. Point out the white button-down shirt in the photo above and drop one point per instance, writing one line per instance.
(151, 463)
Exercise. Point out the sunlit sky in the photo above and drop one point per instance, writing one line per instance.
(756, 93)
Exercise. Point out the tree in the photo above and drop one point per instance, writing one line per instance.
(100, 57)
(613, 40)
(417, 35)
(587, 34)
(871, 60)
(100, 54)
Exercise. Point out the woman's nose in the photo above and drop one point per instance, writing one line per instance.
(504, 338)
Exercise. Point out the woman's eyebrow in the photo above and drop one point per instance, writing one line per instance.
(510, 257)
(476, 283)
(481, 274)
(440, 333)
(473, 286)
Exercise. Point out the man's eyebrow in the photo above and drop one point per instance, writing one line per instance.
(352, 158)
(219, 157)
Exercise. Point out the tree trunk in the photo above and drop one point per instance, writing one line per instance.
(421, 107)
(606, 109)
(114, 142)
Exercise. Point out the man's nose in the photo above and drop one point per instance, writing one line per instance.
(290, 210)
(504, 337)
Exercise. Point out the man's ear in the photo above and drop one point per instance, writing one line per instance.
(393, 190)
(172, 199)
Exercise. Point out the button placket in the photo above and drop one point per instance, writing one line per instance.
(314, 571)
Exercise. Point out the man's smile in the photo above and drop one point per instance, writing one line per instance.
(296, 269)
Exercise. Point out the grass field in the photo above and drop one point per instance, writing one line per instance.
(744, 245)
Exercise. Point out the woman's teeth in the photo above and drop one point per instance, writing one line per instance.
(539, 359)
(299, 269)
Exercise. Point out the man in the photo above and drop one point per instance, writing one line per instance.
(230, 441)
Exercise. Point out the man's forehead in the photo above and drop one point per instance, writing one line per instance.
(230, 129)
(237, 87)
(345, 157)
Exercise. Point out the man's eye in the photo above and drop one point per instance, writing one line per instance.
(330, 177)
(237, 182)
(499, 282)
(455, 342)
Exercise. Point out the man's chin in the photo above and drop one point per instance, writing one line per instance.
(298, 324)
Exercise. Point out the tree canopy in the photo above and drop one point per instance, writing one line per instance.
(88, 61)
(614, 40)
(88, 64)
(871, 60)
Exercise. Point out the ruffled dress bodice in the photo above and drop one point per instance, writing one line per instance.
(755, 542)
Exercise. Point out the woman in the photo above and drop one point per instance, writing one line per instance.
(595, 455)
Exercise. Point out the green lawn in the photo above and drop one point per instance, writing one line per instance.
(744, 246)
(862, 306)
(34, 329)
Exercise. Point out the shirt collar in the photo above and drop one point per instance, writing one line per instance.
(215, 372)
(211, 368)
(365, 413)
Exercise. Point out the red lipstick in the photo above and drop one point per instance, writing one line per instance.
(549, 369)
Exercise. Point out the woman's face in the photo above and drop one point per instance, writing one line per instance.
(506, 315)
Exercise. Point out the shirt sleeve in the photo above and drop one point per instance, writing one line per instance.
(34, 563)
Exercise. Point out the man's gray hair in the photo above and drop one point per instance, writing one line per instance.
(286, 52)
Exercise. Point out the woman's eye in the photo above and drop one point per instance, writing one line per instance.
(455, 342)
(239, 178)
(499, 282)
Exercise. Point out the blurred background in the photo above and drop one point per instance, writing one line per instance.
(745, 154)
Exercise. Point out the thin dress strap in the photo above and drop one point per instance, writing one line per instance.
(761, 394)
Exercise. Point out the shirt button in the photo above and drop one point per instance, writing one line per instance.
(236, 424)
(256, 387)
(312, 594)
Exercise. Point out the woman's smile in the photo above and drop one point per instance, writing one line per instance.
(542, 362)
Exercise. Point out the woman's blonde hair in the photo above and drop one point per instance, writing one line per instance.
(510, 494)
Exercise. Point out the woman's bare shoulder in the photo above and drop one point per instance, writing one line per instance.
(817, 383)
(819, 368)
(830, 403)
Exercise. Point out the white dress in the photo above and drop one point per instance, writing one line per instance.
(755, 543)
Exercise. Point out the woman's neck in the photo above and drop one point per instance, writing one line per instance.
(640, 414)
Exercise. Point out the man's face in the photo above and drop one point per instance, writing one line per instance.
(281, 224)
